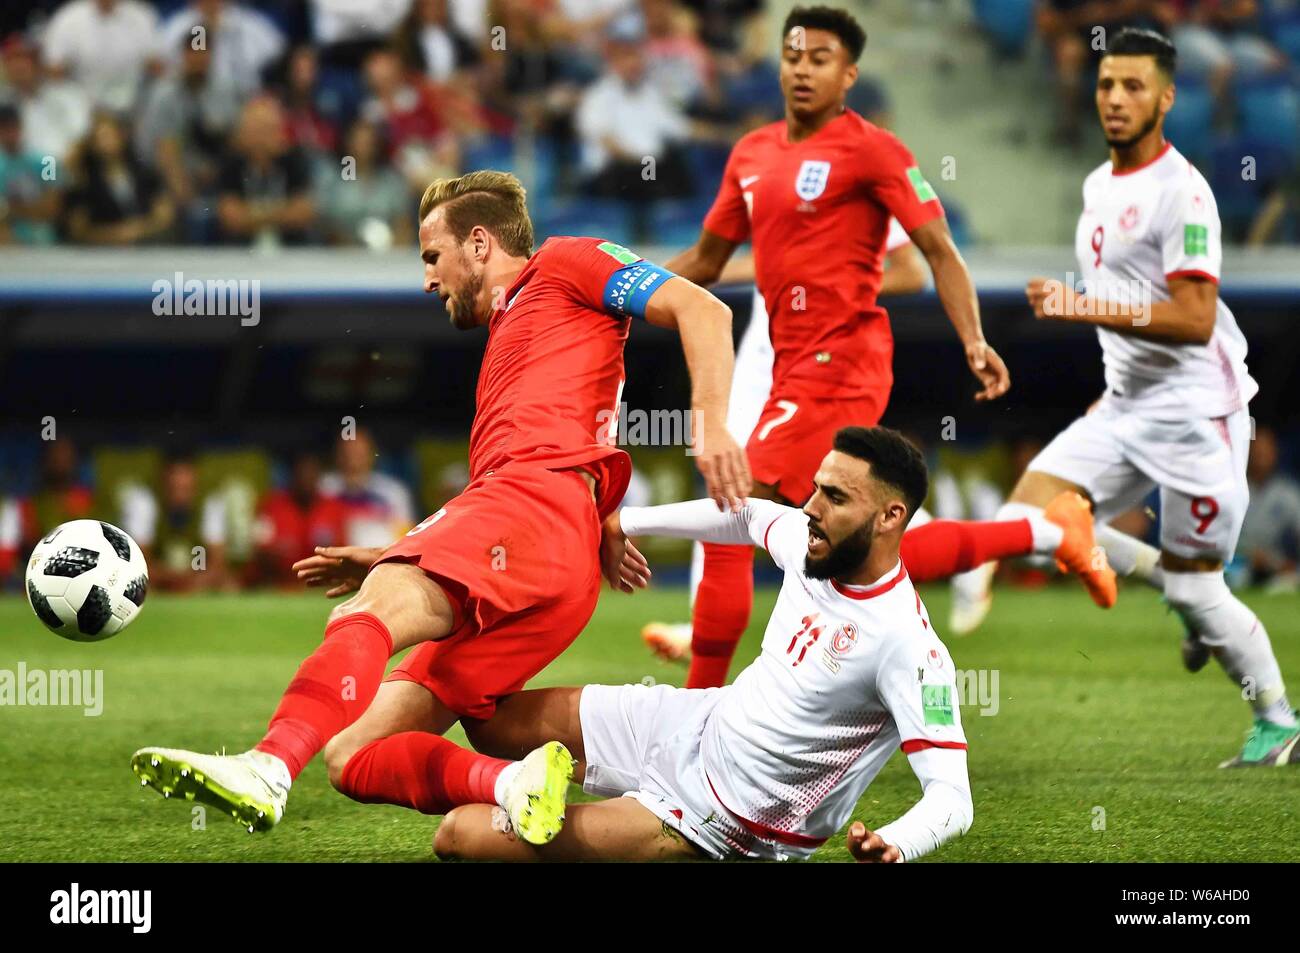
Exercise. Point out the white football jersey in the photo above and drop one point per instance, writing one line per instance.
(846, 676)
(896, 237)
(1147, 226)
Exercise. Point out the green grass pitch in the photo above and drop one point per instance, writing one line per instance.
(1102, 748)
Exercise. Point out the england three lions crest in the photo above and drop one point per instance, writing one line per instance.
(811, 180)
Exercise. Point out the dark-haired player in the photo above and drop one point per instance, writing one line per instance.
(1174, 411)
(771, 766)
(491, 588)
(814, 192)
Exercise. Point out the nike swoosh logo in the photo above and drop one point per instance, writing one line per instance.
(748, 180)
(274, 788)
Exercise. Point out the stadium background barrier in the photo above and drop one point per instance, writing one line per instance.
(342, 334)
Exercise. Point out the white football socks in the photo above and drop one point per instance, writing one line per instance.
(1127, 555)
(1047, 535)
(1236, 636)
(1130, 556)
(503, 781)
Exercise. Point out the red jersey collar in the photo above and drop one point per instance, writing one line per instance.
(530, 266)
(785, 129)
(870, 592)
(1150, 162)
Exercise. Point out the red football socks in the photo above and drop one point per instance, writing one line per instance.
(420, 770)
(333, 686)
(943, 548)
(721, 613)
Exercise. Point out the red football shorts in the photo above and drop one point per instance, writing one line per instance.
(518, 555)
(794, 434)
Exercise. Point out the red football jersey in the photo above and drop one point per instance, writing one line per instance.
(552, 374)
(818, 212)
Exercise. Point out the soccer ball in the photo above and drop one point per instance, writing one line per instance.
(87, 580)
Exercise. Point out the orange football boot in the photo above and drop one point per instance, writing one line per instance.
(1079, 552)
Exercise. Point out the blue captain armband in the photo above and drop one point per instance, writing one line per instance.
(629, 289)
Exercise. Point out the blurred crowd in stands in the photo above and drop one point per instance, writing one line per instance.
(281, 122)
(205, 525)
(202, 529)
(1237, 114)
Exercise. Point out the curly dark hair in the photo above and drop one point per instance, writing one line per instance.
(832, 20)
(894, 460)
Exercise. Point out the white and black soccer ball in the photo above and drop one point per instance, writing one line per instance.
(87, 580)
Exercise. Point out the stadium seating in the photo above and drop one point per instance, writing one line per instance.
(115, 467)
(1269, 111)
(1008, 23)
(588, 216)
(488, 152)
(1190, 125)
(676, 224)
(707, 163)
(1287, 39)
(1237, 195)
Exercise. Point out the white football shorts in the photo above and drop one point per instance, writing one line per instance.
(1199, 464)
(644, 742)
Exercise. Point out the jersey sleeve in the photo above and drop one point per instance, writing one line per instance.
(1190, 234)
(729, 216)
(894, 179)
(945, 810)
(917, 683)
(607, 277)
(781, 530)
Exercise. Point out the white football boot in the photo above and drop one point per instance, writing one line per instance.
(252, 787)
(972, 598)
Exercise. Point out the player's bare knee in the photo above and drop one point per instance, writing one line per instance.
(338, 752)
(341, 610)
(445, 844)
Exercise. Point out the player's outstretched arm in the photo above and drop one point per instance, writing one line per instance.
(739, 270)
(700, 520)
(904, 272)
(945, 810)
(704, 261)
(704, 324)
(956, 292)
